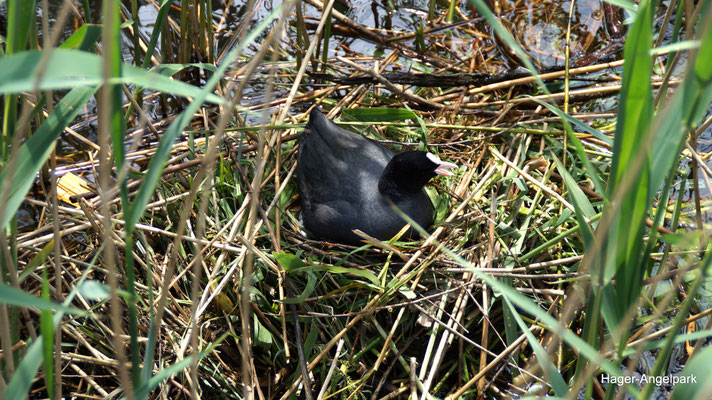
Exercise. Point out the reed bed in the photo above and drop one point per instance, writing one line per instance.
(150, 214)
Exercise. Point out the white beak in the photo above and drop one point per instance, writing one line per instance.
(442, 165)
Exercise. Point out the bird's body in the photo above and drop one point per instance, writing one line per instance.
(343, 187)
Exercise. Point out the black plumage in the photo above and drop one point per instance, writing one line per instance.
(346, 181)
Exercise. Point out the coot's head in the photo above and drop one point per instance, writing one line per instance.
(408, 172)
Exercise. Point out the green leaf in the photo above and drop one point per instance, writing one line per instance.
(288, 261)
(378, 114)
(568, 120)
(47, 329)
(703, 63)
(628, 5)
(511, 43)
(93, 290)
(635, 103)
(308, 289)
(583, 208)
(84, 38)
(37, 260)
(20, 19)
(143, 391)
(262, 335)
(24, 375)
(310, 342)
(157, 29)
(33, 153)
(621, 255)
(531, 307)
(16, 297)
(68, 69)
(677, 46)
(363, 273)
(552, 374)
(548, 321)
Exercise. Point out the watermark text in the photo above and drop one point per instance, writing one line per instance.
(657, 380)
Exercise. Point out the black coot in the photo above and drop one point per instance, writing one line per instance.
(345, 180)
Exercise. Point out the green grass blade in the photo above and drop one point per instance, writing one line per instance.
(19, 385)
(16, 297)
(83, 39)
(37, 149)
(172, 69)
(47, 329)
(67, 69)
(583, 208)
(306, 292)
(157, 29)
(378, 114)
(552, 374)
(111, 119)
(703, 274)
(146, 389)
(527, 305)
(20, 19)
(621, 253)
(634, 114)
(628, 5)
(702, 74)
(363, 273)
(567, 121)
